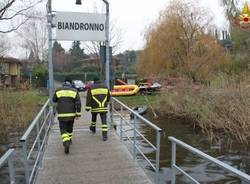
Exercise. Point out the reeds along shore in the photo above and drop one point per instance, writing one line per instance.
(17, 110)
(221, 110)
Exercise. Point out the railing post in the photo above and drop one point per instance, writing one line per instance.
(121, 124)
(38, 139)
(49, 122)
(134, 146)
(173, 162)
(111, 114)
(157, 159)
(11, 170)
(25, 161)
(45, 114)
(51, 109)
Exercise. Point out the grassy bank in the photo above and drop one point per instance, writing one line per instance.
(138, 100)
(219, 110)
(18, 109)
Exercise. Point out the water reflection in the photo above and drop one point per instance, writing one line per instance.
(236, 155)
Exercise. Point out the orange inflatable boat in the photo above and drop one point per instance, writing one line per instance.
(124, 90)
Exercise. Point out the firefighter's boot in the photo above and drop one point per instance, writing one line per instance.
(66, 142)
(66, 145)
(92, 127)
(104, 136)
(104, 132)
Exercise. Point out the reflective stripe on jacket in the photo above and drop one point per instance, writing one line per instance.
(98, 97)
(68, 103)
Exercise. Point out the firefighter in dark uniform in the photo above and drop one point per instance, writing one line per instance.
(98, 97)
(68, 108)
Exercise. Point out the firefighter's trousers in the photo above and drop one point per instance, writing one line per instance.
(103, 116)
(66, 128)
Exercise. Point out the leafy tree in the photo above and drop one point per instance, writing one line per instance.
(179, 44)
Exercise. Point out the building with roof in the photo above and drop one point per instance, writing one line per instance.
(9, 72)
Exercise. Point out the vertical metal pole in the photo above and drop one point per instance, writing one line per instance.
(25, 162)
(157, 159)
(50, 64)
(107, 50)
(134, 147)
(11, 170)
(173, 162)
(121, 124)
(107, 44)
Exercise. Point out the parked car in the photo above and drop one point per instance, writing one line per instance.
(89, 84)
(79, 85)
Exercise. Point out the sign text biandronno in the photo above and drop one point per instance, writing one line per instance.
(80, 26)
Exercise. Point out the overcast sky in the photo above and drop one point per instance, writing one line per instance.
(132, 17)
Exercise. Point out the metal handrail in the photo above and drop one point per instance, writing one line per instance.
(40, 124)
(8, 157)
(136, 133)
(243, 176)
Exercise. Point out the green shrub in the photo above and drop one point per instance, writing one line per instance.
(40, 75)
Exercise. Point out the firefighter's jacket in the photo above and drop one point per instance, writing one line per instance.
(98, 97)
(68, 103)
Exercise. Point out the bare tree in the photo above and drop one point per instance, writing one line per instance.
(34, 35)
(94, 47)
(15, 12)
(115, 41)
(4, 46)
(230, 8)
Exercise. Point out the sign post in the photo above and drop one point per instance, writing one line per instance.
(50, 64)
(107, 45)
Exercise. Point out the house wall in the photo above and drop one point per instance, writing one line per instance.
(13, 69)
(9, 74)
(4, 68)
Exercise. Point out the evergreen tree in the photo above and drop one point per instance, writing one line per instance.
(57, 48)
(76, 50)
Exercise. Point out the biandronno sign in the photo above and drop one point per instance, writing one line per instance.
(80, 26)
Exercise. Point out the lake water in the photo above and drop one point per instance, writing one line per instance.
(235, 155)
